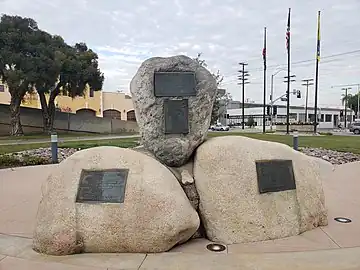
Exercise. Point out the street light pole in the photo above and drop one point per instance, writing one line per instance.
(272, 96)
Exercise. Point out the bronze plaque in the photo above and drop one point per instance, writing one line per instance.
(176, 116)
(102, 186)
(174, 84)
(275, 175)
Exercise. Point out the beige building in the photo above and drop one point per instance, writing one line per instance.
(118, 105)
(102, 104)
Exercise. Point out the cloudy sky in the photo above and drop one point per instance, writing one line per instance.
(125, 33)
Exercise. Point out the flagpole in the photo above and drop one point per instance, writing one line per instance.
(317, 73)
(264, 57)
(288, 77)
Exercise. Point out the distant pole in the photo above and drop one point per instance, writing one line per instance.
(358, 105)
(243, 98)
(272, 95)
(264, 105)
(271, 101)
(317, 73)
(288, 75)
(243, 81)
(307, 84)
(345, 105)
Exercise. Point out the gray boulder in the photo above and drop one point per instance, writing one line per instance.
(172, 149)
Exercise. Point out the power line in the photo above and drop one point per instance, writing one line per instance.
(305, 61)
(311, 60)
(303, 66)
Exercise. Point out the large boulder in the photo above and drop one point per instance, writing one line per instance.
(231, 206)
(155, 214)
(172, 149)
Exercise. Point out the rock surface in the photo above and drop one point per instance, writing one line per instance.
(155, 215)
(231, 207)
(185, 177)
(172, 149)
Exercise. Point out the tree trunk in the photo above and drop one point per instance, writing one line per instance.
(15, 123)
(51, 107)
(45, 113)
(48, 109)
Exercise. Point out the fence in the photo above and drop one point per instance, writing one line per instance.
(32, 122)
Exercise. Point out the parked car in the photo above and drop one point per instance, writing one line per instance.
(355, 128)
(220, 128)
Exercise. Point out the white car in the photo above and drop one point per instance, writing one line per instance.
(220, 128)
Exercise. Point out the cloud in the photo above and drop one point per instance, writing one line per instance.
(125, 33)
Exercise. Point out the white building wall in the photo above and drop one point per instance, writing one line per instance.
(328, 117)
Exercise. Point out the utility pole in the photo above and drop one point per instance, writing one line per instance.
(307, 83)
(243, 80)
(345, 105)
(288, 81)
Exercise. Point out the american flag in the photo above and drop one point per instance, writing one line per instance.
(288, 32)
(264, 49)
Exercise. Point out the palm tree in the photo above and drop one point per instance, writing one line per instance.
(351, 102)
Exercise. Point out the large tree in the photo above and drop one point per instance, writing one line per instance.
(33, 60)
(222, 97)
(73, 71)
(19, 54)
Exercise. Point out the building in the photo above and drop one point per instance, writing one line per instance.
(328, 118)
(30, 100)
(118, 105)
(97, 103)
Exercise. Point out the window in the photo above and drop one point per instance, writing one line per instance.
(328, 117)
(311, 117)
(91, 92)
(322, 118)
(2, 88)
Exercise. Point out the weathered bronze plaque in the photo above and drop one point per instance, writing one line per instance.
(174, 84)
(176, 116)
(275, 175)
(102, 186)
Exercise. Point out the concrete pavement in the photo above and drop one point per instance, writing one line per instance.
(336, 246)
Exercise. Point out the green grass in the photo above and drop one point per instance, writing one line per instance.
(43, 136)
(60, 135)
(124, 143)
(338, 143)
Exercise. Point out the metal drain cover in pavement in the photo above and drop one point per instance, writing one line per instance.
(216, 247)
(342, 220)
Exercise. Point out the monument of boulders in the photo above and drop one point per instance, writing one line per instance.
(177, 185)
